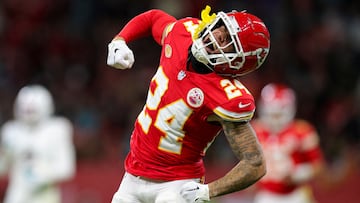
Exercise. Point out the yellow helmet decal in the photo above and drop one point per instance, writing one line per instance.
(206, 19)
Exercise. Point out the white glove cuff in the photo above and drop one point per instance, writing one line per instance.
(204, 192)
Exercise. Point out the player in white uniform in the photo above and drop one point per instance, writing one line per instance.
(36, 149)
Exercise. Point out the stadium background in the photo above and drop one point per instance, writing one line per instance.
(62, 44)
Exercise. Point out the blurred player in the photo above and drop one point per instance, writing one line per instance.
(194, 94)
(291, 148)
(36, 149)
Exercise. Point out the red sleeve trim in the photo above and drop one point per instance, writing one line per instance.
(152, 22)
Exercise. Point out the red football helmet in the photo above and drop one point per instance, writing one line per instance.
(249, 37)
(277, 106)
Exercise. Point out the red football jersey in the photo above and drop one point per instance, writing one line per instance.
(171, 133)
(298, 143)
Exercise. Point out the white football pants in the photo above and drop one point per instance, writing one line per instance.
(135, 189)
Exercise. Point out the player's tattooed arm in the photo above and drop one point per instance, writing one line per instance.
(251, 165)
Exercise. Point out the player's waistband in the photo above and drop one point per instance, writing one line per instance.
(142, 178)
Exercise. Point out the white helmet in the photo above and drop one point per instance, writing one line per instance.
(277, 106)
(33, 103)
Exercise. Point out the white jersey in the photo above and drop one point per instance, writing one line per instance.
(36, 158)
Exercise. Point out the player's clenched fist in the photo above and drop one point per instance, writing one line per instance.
(194, 192)
(120, 56)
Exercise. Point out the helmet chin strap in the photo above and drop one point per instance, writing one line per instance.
(198, 53)
(197, 66)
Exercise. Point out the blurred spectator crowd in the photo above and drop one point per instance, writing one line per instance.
(62, 44)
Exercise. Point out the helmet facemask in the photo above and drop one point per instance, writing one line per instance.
(246, 34)
(207, 40)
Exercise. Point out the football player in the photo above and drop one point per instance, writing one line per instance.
(36, 149)
(194, 94)
(291, 147)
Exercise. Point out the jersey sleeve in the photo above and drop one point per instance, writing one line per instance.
(310, 145)
(234, 101)
(236, 111)
(152, 22)
(61, 165)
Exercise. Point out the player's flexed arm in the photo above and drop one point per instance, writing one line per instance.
(251, 166)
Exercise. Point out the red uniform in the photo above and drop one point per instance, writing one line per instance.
(284, 151)
(171, 133)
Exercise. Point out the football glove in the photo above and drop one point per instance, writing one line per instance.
(194, 192)
(120, 56)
